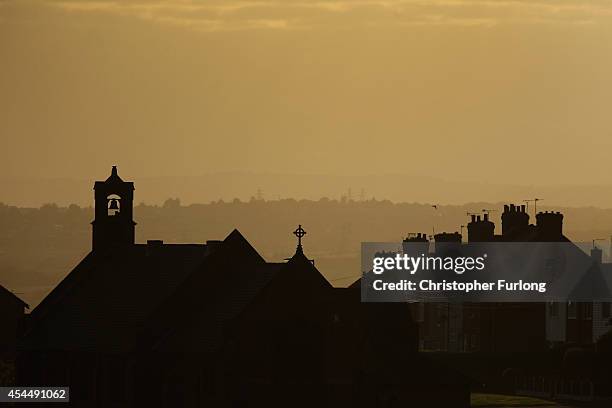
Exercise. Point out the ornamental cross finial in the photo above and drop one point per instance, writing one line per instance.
(299, 233)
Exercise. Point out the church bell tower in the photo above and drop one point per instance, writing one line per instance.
(113, 225)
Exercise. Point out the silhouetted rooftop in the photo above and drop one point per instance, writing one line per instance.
(102, 303)
(142, 294)
(5, 292)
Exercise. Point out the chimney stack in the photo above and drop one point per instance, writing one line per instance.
(514, 223)
(481, 230)
(550, 226)
(597, 255)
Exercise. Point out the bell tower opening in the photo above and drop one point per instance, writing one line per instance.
(114, 205)
(113, 225)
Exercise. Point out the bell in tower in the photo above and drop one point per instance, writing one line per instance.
(113, 204)
(113, 225)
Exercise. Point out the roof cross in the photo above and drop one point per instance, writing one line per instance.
(299, 233)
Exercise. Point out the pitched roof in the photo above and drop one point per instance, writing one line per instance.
(67, 284)
(145, 294)
(229, 284)
(5, 292)
(112, 301)
(201, 329)
(102, 303)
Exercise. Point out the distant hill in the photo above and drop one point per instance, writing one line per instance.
(33, 192)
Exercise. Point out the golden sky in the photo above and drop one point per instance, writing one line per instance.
(497, 91)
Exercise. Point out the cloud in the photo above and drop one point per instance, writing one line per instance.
(232, 15)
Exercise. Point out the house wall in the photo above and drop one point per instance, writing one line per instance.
(556, 322)
(580, 324)
(601, 323)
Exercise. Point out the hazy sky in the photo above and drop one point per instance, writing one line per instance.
(510, 91)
